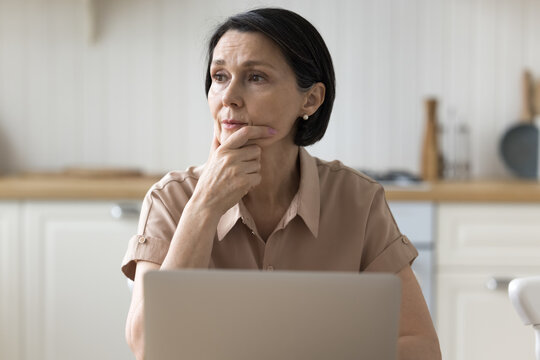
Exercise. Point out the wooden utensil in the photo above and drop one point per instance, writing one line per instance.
(527, 88)
(430, 149)
(536, 104)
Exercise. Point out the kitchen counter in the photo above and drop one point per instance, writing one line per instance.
(521, 191)
(61, 187)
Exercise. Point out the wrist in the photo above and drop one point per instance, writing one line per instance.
(202, 210)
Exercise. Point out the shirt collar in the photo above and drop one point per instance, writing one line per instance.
(309, 194)
(306, 202)
(227, 221)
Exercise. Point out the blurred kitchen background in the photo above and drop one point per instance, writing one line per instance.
(99, 98)
(120, 83)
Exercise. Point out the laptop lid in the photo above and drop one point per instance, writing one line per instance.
(249, 314)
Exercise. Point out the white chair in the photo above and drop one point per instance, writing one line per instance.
(525, 296)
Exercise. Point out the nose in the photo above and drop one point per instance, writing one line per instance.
(232, 94)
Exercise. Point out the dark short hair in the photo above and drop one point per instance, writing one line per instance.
(303, 48)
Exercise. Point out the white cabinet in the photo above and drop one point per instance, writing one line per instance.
(481, 244)
(477, 323)
(10, 345)
(62, 295)
(74, 299)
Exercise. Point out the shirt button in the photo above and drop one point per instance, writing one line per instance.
(404, 240)
(270, 268)
(142, 239)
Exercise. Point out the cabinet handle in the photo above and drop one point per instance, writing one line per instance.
(125, 211)
(498, 283)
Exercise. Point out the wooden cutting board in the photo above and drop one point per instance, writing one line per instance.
(101, 172)
(88, 173)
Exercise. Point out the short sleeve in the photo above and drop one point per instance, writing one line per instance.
(154, 233)
(385, 249)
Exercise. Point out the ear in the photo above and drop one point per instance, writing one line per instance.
(313, 99)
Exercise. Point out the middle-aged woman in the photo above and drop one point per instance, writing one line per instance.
(261, 201)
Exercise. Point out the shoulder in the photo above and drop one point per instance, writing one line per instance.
(346, 189)
(177, 178)
(175, 186)
(332, 173)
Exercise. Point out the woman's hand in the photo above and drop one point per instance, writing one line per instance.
(232, 169)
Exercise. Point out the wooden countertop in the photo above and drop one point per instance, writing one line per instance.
(521, 191)
(60, 187)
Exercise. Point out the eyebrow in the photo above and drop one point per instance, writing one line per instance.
(249, 63)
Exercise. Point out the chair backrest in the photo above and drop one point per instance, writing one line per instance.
(525, 296)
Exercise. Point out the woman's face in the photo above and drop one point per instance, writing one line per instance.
(252, 84)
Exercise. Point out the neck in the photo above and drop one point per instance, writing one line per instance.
(280, 177)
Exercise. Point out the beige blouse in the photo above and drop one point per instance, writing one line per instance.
(338, 221)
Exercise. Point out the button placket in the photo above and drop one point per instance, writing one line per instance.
(269, 256)
(250, 225)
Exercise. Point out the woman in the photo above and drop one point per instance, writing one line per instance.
(261, 201)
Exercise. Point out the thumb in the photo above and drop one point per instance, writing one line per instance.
(215, 141)
(215, 144)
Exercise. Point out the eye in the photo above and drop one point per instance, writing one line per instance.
(219, 77)
(256, 77)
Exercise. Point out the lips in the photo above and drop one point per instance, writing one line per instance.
(231, 124)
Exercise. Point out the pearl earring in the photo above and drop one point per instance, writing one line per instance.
(305, 117)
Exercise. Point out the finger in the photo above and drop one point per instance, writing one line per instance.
(247, 153)
(254, 179)
(242, 136)
(249, 167)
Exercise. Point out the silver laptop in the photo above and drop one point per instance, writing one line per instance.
(255, 315)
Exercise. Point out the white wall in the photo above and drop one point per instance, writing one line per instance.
(135, 97)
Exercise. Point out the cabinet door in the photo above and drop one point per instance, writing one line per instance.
(9, 280)
(477, 323)
(75, 297)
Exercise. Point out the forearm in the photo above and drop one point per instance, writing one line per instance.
(134, 331)
(191, 245)
(418, 347)
(134, 323)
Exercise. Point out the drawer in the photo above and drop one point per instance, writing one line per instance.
(489, 234)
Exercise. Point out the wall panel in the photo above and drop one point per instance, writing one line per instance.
(135, 96)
